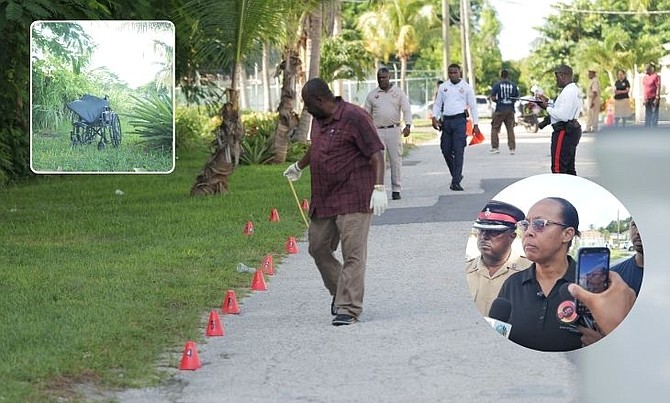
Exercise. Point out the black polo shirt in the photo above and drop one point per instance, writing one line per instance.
(534, 318)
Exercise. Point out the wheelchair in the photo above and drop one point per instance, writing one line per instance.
(93, 117)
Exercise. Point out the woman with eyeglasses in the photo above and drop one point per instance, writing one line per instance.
(548, 230)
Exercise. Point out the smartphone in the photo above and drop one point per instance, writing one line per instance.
(593, 267)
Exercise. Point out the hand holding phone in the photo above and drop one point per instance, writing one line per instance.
(592, 273)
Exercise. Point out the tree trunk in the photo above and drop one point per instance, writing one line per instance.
(338, 87)
(445, 38)
(265, 73)
(242, 76)
(403, 73)
(288, 119)
(313, 58)
(214, 176)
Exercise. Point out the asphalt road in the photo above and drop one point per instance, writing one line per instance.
(420, 339)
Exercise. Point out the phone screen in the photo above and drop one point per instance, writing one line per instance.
(593, 270)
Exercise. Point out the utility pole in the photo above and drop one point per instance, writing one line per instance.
(467, 56)
(445, 38)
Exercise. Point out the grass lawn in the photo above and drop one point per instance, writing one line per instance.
(53, 152)
(96, 286)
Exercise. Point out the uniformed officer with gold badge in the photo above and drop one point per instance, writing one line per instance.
(485, 274)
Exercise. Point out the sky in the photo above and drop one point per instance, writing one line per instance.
(518, 18)
(126, 52)
(595, 205)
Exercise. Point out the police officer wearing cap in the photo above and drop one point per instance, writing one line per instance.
(564, 112)
(485, 274)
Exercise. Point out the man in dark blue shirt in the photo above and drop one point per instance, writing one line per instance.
(502, 94)
(631, 269)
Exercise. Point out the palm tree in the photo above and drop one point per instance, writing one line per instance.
(312, 27)
(397, 25)
(224, 32)
(291, 69)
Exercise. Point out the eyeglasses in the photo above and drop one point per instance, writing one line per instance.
(538, 224)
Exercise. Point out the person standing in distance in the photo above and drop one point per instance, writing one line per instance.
(631, 270)
(384, 104)
(347, 165)
(485, 274)
(563, 114)
(502, 93)
(622, 109)
(453, 98)
(651, 87)
(592, 103)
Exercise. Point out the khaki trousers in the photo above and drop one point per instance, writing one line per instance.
(592, 116)
(346, 280)
(391, 138)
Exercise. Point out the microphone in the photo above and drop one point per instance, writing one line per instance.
(499, 314)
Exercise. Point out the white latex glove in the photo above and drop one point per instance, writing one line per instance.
(378, 201)
(293, 172)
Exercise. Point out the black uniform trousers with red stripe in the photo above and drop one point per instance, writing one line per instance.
(564, 142)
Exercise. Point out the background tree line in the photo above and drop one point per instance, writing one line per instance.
(334, 39)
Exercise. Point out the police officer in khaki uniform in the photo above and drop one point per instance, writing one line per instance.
(485, 274)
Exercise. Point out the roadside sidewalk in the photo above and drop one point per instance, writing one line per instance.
(420, 337)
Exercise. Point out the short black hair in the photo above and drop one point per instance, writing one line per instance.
(454, 66)
(318, 88)
(564, 69)
(569, 215)
(383, 70)
(504, 73)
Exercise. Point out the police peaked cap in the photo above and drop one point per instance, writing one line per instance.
(498, 216)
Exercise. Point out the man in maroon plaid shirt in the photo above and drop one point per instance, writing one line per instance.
(347, 165)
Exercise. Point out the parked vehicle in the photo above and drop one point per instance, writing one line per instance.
(484, 107)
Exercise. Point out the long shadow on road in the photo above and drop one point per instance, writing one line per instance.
(448, 208)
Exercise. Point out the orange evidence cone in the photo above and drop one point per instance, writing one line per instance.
(291, 246)
(274, 215)
(248, 228)
(268, 266)
(258, 283)
(230, 303)
(609, 118)
(189, 359)
(304, 205)
(477, 138)
(468, 127)
(214, 327)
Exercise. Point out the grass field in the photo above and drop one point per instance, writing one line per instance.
(53, 152)
(97, 287)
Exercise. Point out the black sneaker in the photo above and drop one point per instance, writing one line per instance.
(333, 307)
(343, 319)
(395, 196)
(456, 187)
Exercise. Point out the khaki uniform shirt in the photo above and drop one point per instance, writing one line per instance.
(385, 106)
(594, 88)
(483, 287)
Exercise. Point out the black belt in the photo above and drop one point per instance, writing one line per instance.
(387, 127)
(451, 117)
(562, 125)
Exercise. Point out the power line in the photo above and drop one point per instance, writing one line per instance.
(612, 12)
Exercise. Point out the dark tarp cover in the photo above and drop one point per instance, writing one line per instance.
(88, 107)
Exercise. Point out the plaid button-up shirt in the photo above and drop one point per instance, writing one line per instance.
(342, 175)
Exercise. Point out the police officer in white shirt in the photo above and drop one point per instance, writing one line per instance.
(453, 98)
(564, 113)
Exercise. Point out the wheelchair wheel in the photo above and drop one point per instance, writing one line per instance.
(116, 131)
